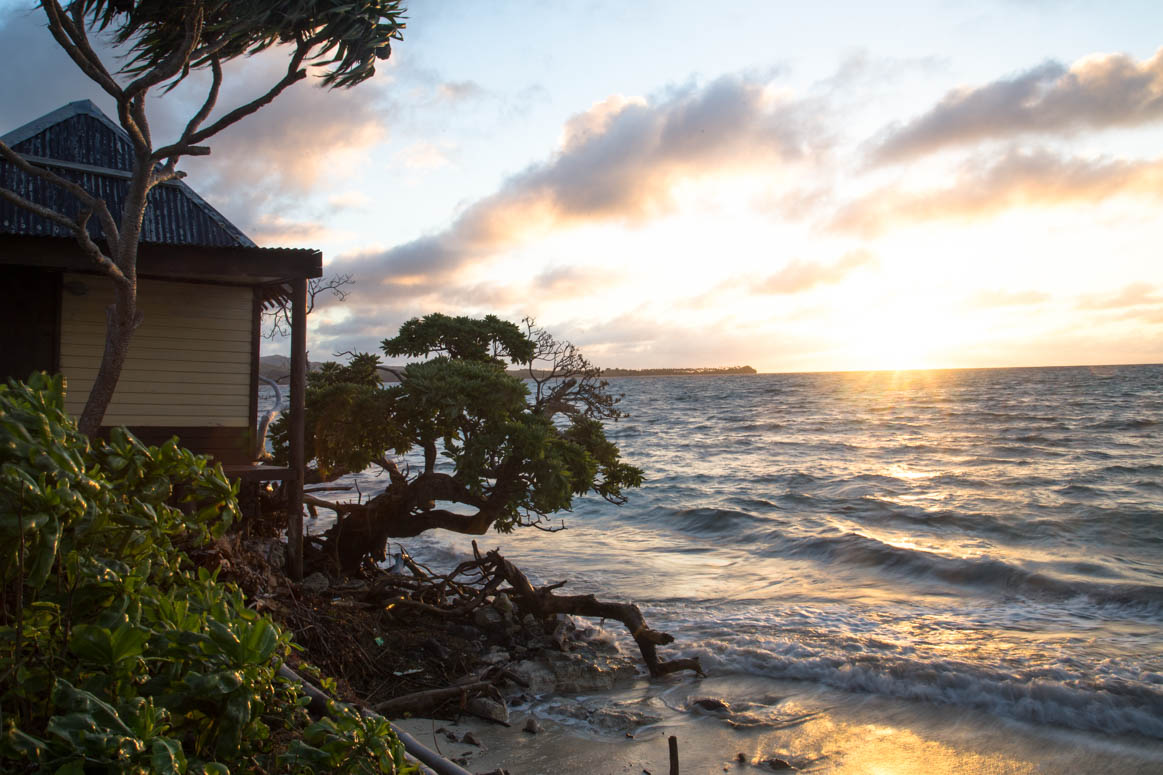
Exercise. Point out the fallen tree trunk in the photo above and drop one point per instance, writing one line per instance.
(419, 703)
(543, 603)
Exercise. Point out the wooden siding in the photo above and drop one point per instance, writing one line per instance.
(189, 362)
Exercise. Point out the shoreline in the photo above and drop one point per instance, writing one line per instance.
(807, 728)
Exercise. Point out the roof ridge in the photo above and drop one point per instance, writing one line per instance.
(87, 107)
(84, 107)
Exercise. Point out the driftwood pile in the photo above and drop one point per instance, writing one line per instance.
(476, 582)
(457, 599)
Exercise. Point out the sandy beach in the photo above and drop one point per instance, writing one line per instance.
(772, 723)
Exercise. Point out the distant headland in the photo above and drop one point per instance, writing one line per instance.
(700, 372)
(277, 367)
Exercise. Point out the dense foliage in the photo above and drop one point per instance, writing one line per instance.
(117, 654)
(350, 35)
(458, 428)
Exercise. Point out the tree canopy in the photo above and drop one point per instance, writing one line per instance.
(458, 429)
(346, 37)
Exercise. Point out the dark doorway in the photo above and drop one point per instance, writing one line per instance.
(30, 302)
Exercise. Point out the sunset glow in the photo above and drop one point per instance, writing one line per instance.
(820, 189)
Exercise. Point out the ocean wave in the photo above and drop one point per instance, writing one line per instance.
(981, 573)
(1081, 490)
(704, 521)
(1045, 696)
(1125, 424)
(1146, 468)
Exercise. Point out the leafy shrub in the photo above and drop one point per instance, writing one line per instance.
(116, 653)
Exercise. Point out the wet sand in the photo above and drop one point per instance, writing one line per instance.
(768, 722)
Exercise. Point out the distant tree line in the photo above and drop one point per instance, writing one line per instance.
(700, 372)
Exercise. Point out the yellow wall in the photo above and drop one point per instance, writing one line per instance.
(189, 362)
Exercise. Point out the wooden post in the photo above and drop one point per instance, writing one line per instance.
(672, 741)
(297, 424)
(256, 450)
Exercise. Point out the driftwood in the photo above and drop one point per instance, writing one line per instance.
(543, 602)
(472, 583)
(420, 703)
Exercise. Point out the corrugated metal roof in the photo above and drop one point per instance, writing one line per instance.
(81, 144)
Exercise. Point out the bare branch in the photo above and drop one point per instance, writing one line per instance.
(338, 508)
(129, 124)
(165, 174)
(211, 100)
(71, 37)
(565, 382)
(279, 318)
(295, 73)
(141, 121)
(92, 204)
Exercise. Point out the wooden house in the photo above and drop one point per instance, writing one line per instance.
(193, 364)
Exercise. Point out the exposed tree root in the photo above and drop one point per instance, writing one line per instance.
(415, 641)
(472, 583)
(543, 602)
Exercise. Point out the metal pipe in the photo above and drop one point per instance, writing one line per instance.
(433, 763)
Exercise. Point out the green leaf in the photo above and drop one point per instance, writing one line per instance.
(89, 710)
(261, 641)
(127, 642)
(92, 643)
(167, 756)
(74, 767)
(227, 641)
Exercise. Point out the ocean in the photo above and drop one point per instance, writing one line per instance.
(977, 542)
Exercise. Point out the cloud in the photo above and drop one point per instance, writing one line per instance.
(270, 229)
(861, 72)
(424, 155)
(271, 160)
(573, 281)
(1096, 92)
(1132, 295)
(799, 276)
(1016, 179)
(457, 91)
(637, 340)
(617, 162)
(992, 298)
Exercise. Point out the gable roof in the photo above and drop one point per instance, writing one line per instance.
(80, 143)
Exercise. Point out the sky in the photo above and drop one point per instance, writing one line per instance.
(927, 184)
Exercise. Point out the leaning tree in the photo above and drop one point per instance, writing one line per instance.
(465, 444)
(161, 42)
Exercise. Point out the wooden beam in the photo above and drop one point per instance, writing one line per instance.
(297, 425)
(243, 265)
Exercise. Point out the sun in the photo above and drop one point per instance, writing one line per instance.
(900, 337)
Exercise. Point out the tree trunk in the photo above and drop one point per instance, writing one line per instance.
(121, 320)
(123, 317)
(364, 530)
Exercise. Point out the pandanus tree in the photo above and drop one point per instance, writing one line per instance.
(465, 444)
(160, 44)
